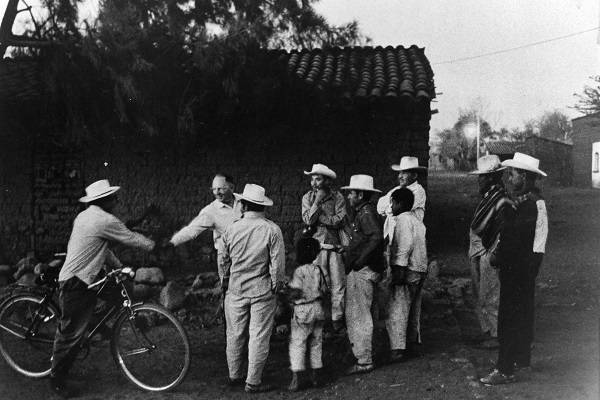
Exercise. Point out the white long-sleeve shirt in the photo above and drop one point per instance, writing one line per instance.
(408, 247)
(384, 207)
(87, 251)
(216, 216)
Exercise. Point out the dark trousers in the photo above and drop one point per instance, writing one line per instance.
(77, 304)
(516, 313)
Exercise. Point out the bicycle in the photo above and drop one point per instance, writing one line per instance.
(148, 343)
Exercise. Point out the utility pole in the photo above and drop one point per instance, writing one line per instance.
(478, 134)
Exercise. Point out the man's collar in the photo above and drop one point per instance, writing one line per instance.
(220, 204)
(361, 206)
(254, 215)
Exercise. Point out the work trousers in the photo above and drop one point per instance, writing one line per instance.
(332, 264)
(77, 304)
(404, 311)
(252, 319)
(486, 283)
(306, 330)
(360, 290)
(516, 313)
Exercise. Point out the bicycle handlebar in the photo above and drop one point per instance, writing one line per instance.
(127, 272)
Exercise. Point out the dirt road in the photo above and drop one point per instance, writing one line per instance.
(565, 357)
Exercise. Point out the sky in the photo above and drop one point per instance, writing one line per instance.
(513, 86)
(543, 56)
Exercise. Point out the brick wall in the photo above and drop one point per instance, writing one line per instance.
(586, 130)
(556, 159)
(178, 179)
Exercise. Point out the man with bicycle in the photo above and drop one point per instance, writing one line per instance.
(87, 252)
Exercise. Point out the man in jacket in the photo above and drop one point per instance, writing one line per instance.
(364, 264)
(324, 209)
(519, 254)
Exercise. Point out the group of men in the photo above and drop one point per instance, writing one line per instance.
(361, 243)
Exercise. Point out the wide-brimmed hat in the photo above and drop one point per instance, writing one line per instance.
(97, 190)
(322, 170)
(408, 163)
(254, 194)
(361, 182)
(523, 161)
(488, 165)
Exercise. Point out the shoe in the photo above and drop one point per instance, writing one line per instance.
(59, 388)
(360, 369)
(522, 367)
(490, 344)
(398, 356)
(497, 378)
(233, 382)
(260, 388)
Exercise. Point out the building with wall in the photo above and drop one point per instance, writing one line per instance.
(586, 151)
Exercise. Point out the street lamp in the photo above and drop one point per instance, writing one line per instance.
(472, 130)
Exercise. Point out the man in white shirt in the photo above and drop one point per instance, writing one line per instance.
(216, 216)
(254, 265)
(87, 251)
(408, 263)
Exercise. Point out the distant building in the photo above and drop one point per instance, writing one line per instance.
(586, 151)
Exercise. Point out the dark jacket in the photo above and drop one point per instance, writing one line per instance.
(366, 241)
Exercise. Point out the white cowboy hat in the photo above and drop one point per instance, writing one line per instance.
(322, 170)
(487, 165)
(361, 182)
(523, 161)
(408, 163)
(254, 194)
(97, 190)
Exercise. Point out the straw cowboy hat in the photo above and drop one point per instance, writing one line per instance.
(361, 182)
(487, 165)
(97, 190)
(321, 170)
(254, 194)
(408, 164)
(523, 161)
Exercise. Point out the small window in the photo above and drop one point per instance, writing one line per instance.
(596, 162)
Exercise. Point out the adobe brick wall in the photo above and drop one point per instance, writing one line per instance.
(177, 179)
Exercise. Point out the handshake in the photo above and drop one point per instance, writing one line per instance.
(164, 246)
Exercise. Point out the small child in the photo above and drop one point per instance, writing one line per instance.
(408, 262)
(306, 291)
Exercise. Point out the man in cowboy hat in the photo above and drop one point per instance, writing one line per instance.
(408, 170)
(254, 264)
(324, 208)
(216, 216)
(87, 252)
(364, 263)
(519, 255)
(489, 219)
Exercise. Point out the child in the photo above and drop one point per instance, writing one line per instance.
(408, 261)
(306, 291)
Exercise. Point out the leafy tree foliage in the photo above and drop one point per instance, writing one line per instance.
(589, 101)
(176, 66)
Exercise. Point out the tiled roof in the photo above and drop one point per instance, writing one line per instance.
(503, 147)
(365, 73)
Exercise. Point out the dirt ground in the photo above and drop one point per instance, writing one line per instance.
(566, 349)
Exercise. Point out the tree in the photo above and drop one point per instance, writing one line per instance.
(554, 125)
(589, 101)
(150, 66)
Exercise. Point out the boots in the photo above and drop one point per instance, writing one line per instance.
(295, 384)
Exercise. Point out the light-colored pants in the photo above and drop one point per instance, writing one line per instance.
(360, 289)
(486, 284)
(335, 274)
(404, 312)
(250, 318)
(307, 328)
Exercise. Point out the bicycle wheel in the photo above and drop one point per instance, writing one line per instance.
(151, 347)
(27, 330)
